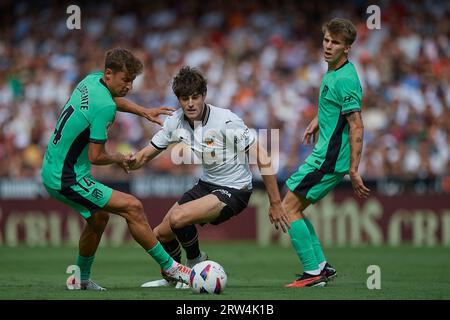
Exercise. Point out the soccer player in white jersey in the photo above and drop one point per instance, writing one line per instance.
(223, 142)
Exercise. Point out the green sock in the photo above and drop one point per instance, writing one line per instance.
(161, 256)
(85, 264)
(315, 242)
(301, 240)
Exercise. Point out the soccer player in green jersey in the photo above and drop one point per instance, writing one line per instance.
(79, 141)
(336, 153)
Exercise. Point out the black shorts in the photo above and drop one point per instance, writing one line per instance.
(236, 200)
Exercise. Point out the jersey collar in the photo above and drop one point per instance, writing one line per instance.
(346, 61)
(205, 115)
(103, 83)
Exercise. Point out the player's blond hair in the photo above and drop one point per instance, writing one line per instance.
(119, 59)
(341, 27)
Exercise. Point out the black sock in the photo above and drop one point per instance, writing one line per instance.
(188, 238)
(173, 249)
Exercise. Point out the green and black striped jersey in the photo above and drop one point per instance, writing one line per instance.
(340, 94)
(85, 118)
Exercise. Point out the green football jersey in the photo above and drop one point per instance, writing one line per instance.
(85, 118)
(340, 94)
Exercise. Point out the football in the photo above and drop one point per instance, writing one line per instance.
(208, 277)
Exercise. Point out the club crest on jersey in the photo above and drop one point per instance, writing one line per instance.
(324, 91)
(209, 140)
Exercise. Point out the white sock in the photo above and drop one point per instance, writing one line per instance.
(322, 265)
(313, 272)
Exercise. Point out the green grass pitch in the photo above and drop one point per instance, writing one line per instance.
(254, 273)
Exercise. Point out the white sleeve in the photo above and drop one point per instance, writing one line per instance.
(163, 137)
(237, 132)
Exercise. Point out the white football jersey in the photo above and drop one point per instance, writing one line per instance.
(219, 142)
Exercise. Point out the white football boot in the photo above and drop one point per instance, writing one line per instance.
(180, 273)
(158, 283)
(192, 262)
(90, 285)
(177, 284)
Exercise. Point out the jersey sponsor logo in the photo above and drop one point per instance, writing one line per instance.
(97, 194)
(347, 99)
(223, 191)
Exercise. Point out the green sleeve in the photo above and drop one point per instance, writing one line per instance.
(100, 124)
(349, 95)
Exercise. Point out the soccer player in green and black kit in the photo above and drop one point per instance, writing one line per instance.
(79, 141)
(336, 153)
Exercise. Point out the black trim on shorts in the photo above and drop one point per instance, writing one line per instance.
(236, 200)
(68, 175)
(72, 195)
(334, 146)
(308, 182)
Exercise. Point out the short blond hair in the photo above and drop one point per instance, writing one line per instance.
(341, 27)
(119, 59)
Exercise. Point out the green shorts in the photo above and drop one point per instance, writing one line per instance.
(311, 183)
(86, 197)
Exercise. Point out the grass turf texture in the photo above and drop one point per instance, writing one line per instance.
(254, 273)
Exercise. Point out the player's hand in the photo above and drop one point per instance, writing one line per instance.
(279, 217)
(124, 162)
(309, 136)
(154, 113)
(136, 161)
(358, 186)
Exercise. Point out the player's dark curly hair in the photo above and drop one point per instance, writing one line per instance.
(119, 59)
(341, 27)
(189, 81)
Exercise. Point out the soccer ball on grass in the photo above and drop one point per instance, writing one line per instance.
(208, 277)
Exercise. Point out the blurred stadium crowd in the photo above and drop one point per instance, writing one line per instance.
(262, 59)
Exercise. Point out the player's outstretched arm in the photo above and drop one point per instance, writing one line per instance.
(143, 156)
(355, 133)
(309, 136)
(151, 114)
(277, 214)
(99, 156)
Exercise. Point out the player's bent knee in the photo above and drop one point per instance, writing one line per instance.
(157, 232)
(177, 218)
(161, 236)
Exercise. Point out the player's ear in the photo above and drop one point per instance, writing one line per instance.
(108, 73)
(347, 49)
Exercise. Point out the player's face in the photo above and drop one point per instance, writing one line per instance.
(193, 105)
(119, 83)
(334, 48)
